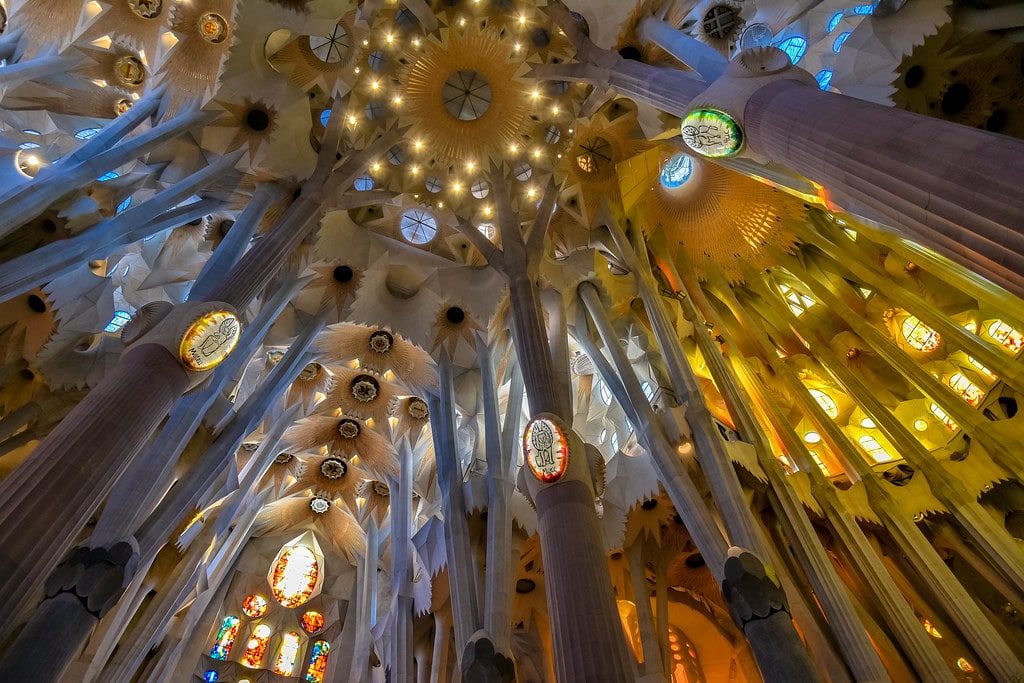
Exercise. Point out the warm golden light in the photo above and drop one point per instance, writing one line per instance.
(209, 340)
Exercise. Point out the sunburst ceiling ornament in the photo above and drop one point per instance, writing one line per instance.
(464, 96)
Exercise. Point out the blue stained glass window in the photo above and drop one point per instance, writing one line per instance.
(677, 170)
(119, 320)
(87, 133)
(124, 205)
(28, 145)
(834, 21)
(824, 78)
(324, 116)
(210, 676)
(865, 9)
(364, 183)
(109, 175)
(795, 47)
(838, 45)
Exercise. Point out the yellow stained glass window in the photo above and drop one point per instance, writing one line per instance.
(932, 631)
(826, 402)
(256, 647)
(312, 621)
(966, 389)
(287, 653)
(820, 463)
(919, 335)
(294, 576)
(1010, 338)
(988, 374)
(254, 606)
(945, 419)
(874, 449)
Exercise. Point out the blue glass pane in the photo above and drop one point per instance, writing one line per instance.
(838, 45)
(87, 133)
(795, 47)
(834, 21)
(109, 175)
(326, 114)
(677, 170)
(824, 78)
(864, 9)
(28, 145)
(119, 320)
(210, 676)
(124, 205)
(364, 183)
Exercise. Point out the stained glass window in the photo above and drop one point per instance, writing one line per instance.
(254, 606)
(124, 205)
(325, 116)
(834, 21)
(945, 419)
(838, 44)
(795, 47)
(1007, 336)
(932, 631)
(225, 638)
(256, 647)
(874, 449)
(988, 374)
(920, 336)
(964, 665)
(677, 170)
(317, 661)
(826, 403)
(118, 322)
(211, 676)
(287, 653)
(824, 78)
(820, 463)
(312, 621)
(968, 390)
(87, 133)
(798, 303)
(294, 576)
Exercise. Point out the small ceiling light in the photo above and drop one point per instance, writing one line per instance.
(812, 437)
(867, 423)
(920, 425)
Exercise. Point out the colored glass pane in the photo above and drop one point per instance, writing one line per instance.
(325, 116)
(87, 133)
(824, 78)
(211, 676)
(677, 170)
(118, 322)
(798, 303)
(1007, 336)
(874, 449)
(312, 621)
(920, 336)
(225, 638)
(294, 576)
(124, 205)
(865, 9)
(945, 419)
(834, 21)
(932, 631)
(287, 653)
(838, 44)
(826, 403)
(968, 390)
(964, 665)
(795, 47)
(256, 647)
(989, 375)
(254, 606)
(318, 661)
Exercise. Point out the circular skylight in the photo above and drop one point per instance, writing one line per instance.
(333, 47)
(593, 154)
(418, 226)
(467, 95)
(756, 35)
(677, 170)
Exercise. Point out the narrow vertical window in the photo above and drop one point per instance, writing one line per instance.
(318, 661)
(874, 449)
(225, 638)
(287, 653)
(256, 647)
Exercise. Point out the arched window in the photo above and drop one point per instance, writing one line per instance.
(838, 44)
(605, 392)
(874, 449)
(118, 322)
(820, 463)
(834, 21)
(317, 661)
(795, 47)
(942, 417)
(254, 606)
(87, 133)
(967, 390)
(824, 78)
(919, 335)
(294, 576)
(988, 374)
(826, 403)
(1010, 338)
(287, 653)
(256, 647)
(225, 638)
(648, 390)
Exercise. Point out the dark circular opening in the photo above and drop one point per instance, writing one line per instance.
(631, 52)
(36, 304)
(540, 37)
(914, 76)
(257, 119)
(455, 315)
(695, 561)
(956, 99)
(27, 375)
(649, 504)
(615, 556)
(997, 121)
(197, 221)
(343, 274)
(47, 225)
(525, 585)
(224, 227)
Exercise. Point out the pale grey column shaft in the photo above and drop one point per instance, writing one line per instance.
(442, 641)
(234, 244)
(48, 499)
(367, 578)
(462, 574)
(403, 670)
(953, 187)
(500, 573)
(37, 67)
(644, 615)
(57, 623)
(687, 499)
(558, 341)
(708, 62)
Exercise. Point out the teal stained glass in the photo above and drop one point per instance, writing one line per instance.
(824, 78)
(677, 170)
(834, 21)
(795, 47)
(838, 45)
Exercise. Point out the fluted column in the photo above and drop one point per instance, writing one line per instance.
(951, 187)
